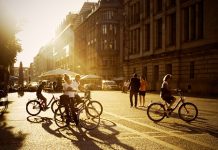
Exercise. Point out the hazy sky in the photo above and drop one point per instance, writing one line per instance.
(39, 20)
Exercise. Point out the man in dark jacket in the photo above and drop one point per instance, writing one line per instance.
(134, 89)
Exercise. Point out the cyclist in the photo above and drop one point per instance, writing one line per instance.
(70, 88)
(165, 93)
(40, 96)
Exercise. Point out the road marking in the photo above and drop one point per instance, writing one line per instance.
(163, 131)
(153, 139)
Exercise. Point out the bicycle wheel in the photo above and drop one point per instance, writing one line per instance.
(94, 108)
(156, 112)
(33, 107)
(60, 116)
(188, 112)
(55, 105)
(87, 121)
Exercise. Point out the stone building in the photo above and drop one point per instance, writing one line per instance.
(43, 61)
(98, 39)
(63, 44)
(179, 37)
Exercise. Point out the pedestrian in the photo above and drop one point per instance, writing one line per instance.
(142, 90)
(54, 86)
(125, 86)
(134, 89)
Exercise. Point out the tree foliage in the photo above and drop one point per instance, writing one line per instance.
(9, 45)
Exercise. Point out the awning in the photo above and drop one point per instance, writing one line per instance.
(90, 76)
(58, 73)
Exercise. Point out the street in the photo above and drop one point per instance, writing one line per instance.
(121, 127)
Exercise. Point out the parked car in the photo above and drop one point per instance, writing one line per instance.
(92, 86)
(109, 85)
(32, 87)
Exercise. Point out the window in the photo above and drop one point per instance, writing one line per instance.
(156, 73)
(200, 22)
(134, 13)
(159, 5)
(171, 3)
(168, 69)
(147, 37)
(186, 24)
(135, 41)
(147, 7)
(192, 67)
(67, 50)
(172, 29)
(159, 33)
(193, 22)
(104, 29)
(138, 40)
(115, 44)
(134, 70)
(111, 27)
(115, 29)
(144, 71)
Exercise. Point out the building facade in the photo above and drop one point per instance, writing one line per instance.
(98, 39)
(172, 36)
(43, 61)
(63, 44)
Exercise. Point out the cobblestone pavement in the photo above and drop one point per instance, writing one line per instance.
(121, 127)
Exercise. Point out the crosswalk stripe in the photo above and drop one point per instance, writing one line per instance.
(163, 131)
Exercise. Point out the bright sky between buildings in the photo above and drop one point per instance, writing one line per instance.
(38, 20)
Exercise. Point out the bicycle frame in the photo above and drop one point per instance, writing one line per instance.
(181, 100)
(53, 98)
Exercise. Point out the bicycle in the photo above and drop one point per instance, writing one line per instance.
(187, 111)
(34, 107)
(87, 114)
(96, 105)
(3, 102)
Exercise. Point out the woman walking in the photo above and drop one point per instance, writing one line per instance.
(142, 91)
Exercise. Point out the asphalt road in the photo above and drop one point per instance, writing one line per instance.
(121, 127)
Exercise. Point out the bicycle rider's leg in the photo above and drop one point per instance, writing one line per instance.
(44, 100)
(78, 99)
(40, 96)
(172, 101)
(72, 105)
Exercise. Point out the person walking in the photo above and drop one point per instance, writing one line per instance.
(142, 90)
(134, 89)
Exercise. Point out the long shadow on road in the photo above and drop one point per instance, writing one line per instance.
(192, 128)
(9, 139)
(95, 139)
(85, 139)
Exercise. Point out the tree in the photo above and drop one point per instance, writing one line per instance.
(9, 45)
(20, 80)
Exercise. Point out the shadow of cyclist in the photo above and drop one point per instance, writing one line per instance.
(46, 123)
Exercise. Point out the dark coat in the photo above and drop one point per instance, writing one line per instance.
(134, 84)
